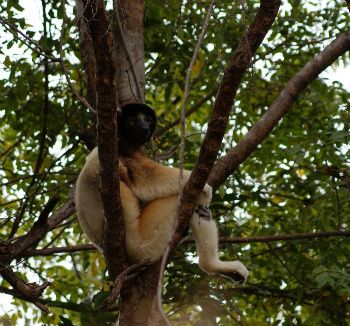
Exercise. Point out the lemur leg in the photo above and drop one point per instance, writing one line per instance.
(147, 234)
(206, 236)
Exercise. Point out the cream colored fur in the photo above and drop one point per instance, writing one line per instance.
(148, 229)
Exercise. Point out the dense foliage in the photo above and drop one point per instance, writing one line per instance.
(297, 181)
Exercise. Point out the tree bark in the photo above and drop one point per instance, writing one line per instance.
(256, 135)
(129, 49)
(228, 87)
(106, 107)
(140, 303)
(140, 300)
(87, 55)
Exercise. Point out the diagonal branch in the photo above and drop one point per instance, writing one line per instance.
(26, 40)
(41, 227)
(187, 89)
(30, 291)
(233, 75)
(106, 107)
(227, 165)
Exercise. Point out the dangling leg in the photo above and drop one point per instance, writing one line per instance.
(206, 236)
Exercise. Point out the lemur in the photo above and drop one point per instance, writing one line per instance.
(149, 195)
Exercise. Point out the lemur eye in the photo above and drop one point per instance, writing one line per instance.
(149, 120)
(131, 122)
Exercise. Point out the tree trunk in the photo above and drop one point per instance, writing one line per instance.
(129, 50)
(140, 298)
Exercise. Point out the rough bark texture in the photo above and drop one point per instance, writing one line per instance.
(98, 26)
(87, 55)
(233, 75)
(141, 295)
(17, 249)
(39, 230)
(140, 304)
(129, 49)
(227, 165)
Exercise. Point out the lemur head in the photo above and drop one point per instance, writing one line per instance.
(136, 123)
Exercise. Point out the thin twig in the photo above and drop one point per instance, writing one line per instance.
(222, 240)
(192, 110)
(81, 98)
(186, 92)
(126, 275)
(30, 43)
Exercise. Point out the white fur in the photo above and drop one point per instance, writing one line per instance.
(148, 230)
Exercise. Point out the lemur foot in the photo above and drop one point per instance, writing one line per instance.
(203, 212)
(235, 271)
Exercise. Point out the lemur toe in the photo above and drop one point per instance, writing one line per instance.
(204, 212)
(234, 276)
(235, 271)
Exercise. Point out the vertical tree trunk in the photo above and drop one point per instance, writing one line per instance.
(129, 49)
(140, 298)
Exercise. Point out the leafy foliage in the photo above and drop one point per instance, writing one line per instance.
(297, 181)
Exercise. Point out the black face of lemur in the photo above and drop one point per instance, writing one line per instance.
(137, 127)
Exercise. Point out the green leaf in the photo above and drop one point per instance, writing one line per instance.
(339, 134)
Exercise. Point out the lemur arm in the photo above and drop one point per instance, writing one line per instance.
(150, 180)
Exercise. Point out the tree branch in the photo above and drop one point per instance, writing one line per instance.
(286, 237)
(81, 98)
(59, 304)
(187, 89)
(227, 165)
(126, 275)
(233, 75)
(129, 45)
(39, 230)
(31, 292)
(222, 240)
(87, 54)
(58, 250)
(27, 41)
(102, 41)
(119, 31)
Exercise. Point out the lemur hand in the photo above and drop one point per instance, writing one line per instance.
(203, 212)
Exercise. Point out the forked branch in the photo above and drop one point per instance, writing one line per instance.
(227, 165)
(233, 75)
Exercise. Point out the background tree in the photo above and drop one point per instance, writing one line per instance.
(285, 211)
